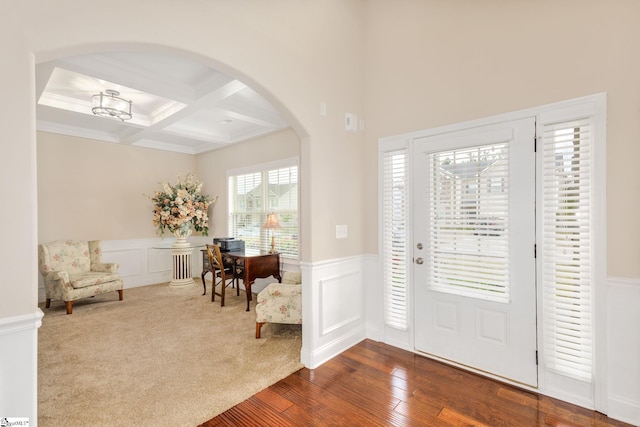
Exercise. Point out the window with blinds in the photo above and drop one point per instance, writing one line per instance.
(252, 196)
(395, 215)
(468, 250)
(567, 247)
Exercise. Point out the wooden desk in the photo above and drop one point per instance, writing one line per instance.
(247, 266)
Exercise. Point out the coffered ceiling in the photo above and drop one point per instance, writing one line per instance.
(177, 104)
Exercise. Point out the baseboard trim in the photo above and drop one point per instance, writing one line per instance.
(330, 350)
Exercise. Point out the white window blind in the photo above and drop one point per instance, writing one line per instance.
(567, 223)
(395, 237)
(468, 250)
(252, 196)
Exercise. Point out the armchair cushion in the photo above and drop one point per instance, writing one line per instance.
(91, 278)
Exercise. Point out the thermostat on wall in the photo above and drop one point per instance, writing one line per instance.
(351, 122)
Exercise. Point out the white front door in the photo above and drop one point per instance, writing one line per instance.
(474, 262)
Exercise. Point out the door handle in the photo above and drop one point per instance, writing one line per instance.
(419, 261)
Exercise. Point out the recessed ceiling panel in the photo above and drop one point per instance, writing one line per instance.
(177, 104)
(73, 91)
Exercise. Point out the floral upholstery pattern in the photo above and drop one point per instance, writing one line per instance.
(73, 269)
(280, 302)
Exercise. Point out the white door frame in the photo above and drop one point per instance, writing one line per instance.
(594, 105)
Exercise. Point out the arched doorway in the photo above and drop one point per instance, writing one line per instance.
(77, 138)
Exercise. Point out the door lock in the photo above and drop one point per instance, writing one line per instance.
(419, 261)
(419, 246)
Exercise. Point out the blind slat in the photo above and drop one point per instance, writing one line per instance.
(394, 224)
(253, 196)
(468, 222)
(567, 246)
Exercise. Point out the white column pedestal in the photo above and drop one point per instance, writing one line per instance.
(181, 266)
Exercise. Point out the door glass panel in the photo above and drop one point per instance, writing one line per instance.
(468, 249)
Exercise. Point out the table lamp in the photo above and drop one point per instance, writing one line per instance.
(271, 224)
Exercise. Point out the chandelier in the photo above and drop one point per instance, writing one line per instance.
(109, 104)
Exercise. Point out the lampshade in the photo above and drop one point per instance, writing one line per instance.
(272, 221)
(109, 104)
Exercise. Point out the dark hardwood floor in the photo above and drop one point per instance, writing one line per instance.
(373, 384)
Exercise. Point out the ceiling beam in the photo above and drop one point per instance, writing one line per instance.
(209, 99)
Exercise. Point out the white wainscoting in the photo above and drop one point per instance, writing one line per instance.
(19, 365)
(141, 262)
(333, 313)
(623, 343)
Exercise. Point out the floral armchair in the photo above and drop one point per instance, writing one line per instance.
(280, 302)
(73, 269)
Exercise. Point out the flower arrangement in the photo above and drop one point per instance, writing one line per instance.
(180, 207)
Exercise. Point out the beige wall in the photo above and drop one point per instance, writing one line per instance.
(431, 63)
(297, 54)
(213, 166)
(89, 189)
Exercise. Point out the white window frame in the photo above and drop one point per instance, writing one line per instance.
(398, 337)
(589, 394)
(265, 239)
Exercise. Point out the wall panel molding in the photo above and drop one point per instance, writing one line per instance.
(341, 301)
(18, 364)
(333, 311)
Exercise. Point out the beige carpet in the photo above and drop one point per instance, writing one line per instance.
(163, 356)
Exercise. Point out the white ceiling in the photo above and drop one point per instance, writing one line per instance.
(178, 105)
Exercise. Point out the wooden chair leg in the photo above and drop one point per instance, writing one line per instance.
(121, 292)
(258, 327)
(47, 303)
(223, 286)
(69, 305)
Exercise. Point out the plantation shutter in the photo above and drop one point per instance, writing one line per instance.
(468, 250)
(245, 203)
(282, 198)
(567, 247)
(395, 211)
(253, 196)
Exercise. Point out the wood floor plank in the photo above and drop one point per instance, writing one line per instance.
(421, 413)
(374, 384)
(246, 413)
(327, 405)
(372, 377)
(274, 400)
(369, 358)
(458, 419)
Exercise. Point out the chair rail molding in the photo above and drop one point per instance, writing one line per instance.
(23, 322)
